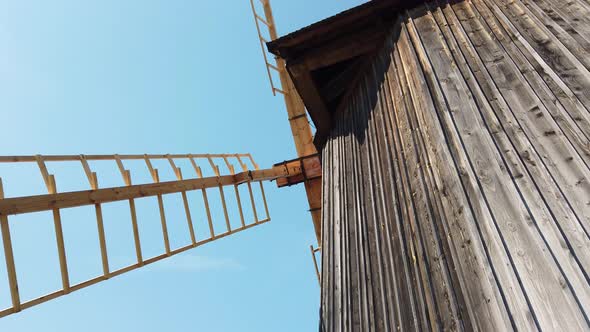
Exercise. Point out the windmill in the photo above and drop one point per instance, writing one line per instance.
(228, 175)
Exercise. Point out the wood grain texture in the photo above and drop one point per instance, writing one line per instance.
(456, 191)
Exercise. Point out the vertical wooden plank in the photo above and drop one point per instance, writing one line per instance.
(541, 253)
(102, 239)
(224, 205)
(93, 179)
(256, 167)
(49, 180)
(43, 169)
(9, 257)
(238, 200)
(123, 170)
(530, 175)
(127, 179)
(213, 166)
(156, 178)
(205, 199)
(242, 164)
(264, 200)
(249, 184)
(229, 166)
(187, 210)
(221, 193)
(415, 289)
(189, 218)
(88, 172)
(59, 236)
(135, 227)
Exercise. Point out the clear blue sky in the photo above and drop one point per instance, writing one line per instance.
(115, 76)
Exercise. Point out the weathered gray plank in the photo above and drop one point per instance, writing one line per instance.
(456, 190)
(532, 180)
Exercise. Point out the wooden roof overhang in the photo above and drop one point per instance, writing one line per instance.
(326, 59)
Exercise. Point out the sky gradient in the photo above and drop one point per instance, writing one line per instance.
(110, 76)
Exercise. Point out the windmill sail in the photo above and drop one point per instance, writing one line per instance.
(222, 185)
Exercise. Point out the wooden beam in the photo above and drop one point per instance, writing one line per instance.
(310, 94)
(306, 169)
(187, 210)
(47, 158)
(55, 201)
(205, 199)
(93, 180)
(300, 127)
(127, 179)
(221, 195)
(9, 258)
(353, 46)
(19, 205)
(359, 18)
(49, 180)
(232, 171)
(156, 177)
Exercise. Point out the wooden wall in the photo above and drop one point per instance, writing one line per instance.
(457, 180)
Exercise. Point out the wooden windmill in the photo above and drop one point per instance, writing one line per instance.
(238, 177)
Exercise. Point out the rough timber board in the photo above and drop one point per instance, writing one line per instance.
(457, 179)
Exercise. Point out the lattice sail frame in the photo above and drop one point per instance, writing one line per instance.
(55, 201)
